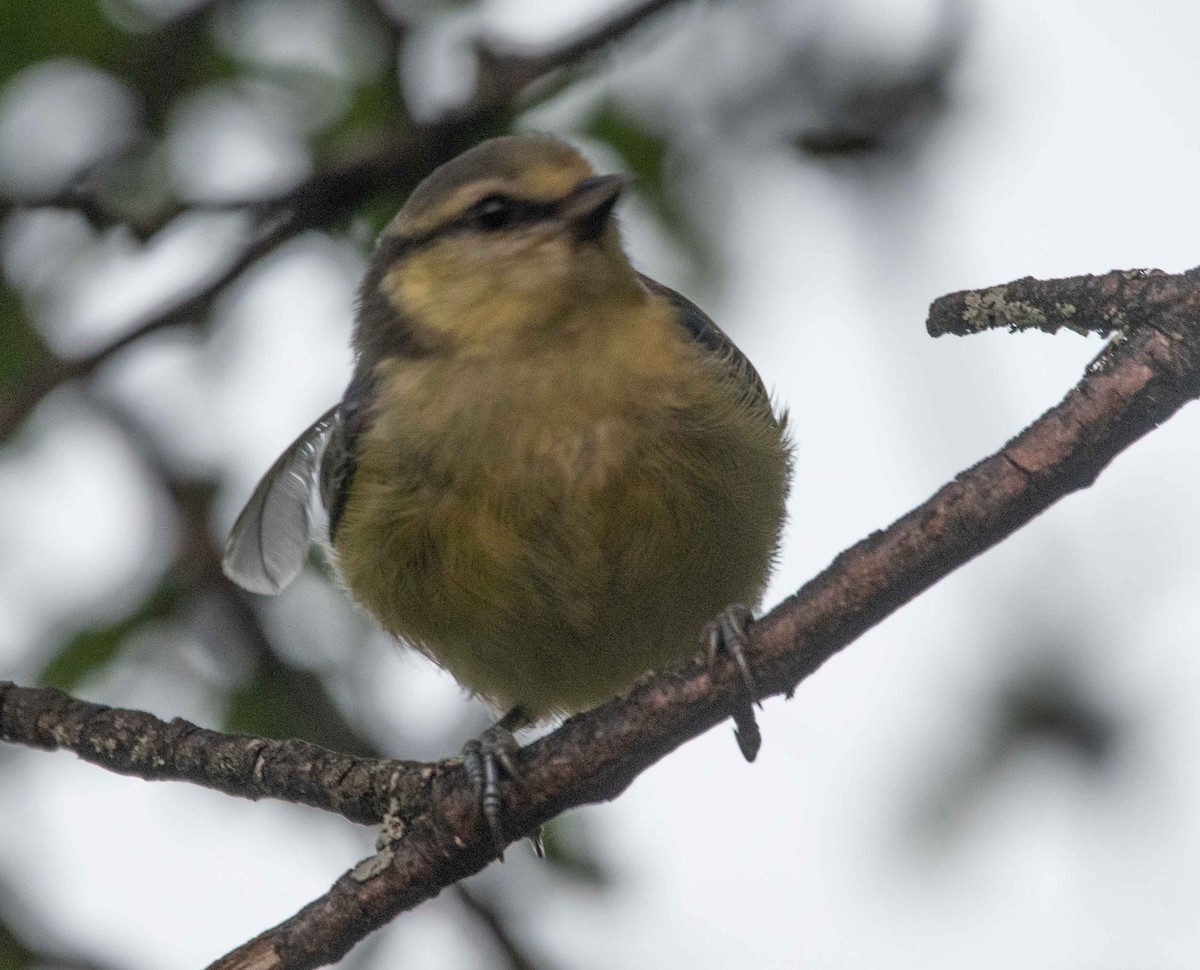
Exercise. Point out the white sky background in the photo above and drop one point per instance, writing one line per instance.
(1073, 147)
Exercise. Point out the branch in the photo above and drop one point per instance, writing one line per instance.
(490, 919)
(398, 162)
(17, 406)
(505, 75)
(1137, 383)
(136, 743)
(197, 570)
(1117, 301)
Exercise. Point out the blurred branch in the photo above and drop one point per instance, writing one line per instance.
(74, 198)
(1134, 385)
(397, 161)
(17, 405)
(504, 75)
(868, 108)
(494, 922)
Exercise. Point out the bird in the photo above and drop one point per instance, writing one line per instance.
(549, 473)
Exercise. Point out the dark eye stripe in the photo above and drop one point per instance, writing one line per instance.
(527, 212)
(522, 213)
(514, 212)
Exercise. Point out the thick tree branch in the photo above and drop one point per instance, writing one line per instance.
(396, 162)
(1136, 384)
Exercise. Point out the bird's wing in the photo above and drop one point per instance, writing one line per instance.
(341, 453)
(269, 542)
(705, 332)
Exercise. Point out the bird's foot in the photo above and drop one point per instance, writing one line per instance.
(485, 759)
(729, 634)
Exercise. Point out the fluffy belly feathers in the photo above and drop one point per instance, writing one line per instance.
(547, 560)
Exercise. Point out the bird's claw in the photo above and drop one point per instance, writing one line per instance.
(729, 634)
(485, 758)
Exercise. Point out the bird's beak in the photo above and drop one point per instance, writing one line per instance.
(587, 208)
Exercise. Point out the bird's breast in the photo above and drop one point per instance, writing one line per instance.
(569, 415)
(548, 529)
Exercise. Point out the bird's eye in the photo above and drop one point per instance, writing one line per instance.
(495, 212)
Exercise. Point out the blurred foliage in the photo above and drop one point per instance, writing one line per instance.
(1046, 705)
(14, 954)
(375, 106)
(94, 648)
(38, 30)
(879, 113)
(567, 848)
(645, 150)
(1053, 706)
(157, 61)
(32, 950)
(376, 212)
(19, 341)
(865, 107)
(281, 701)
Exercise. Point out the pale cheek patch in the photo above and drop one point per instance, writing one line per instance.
(483, 287)
(404, 286)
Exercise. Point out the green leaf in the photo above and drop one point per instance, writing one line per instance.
(373, 108)
(36, 30)
(21, 346)
(93, 649)
(161, 64)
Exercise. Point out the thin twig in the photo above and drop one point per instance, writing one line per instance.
(182, 309)
(506, 73)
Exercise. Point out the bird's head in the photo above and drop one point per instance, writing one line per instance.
(497, 247)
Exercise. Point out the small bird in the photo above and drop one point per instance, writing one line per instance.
(549, 473)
